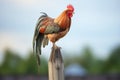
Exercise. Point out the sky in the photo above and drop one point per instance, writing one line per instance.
(96, 23)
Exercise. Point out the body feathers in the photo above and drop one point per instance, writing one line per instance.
(51, 29)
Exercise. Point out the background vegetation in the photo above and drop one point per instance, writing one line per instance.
(14, 64)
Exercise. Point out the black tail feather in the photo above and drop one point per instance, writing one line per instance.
(38, 37)
(38, 46)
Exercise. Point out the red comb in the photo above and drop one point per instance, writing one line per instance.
(70, 7)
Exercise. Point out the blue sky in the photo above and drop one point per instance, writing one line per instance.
(95, 23)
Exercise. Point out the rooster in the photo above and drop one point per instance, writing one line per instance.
(52, 29)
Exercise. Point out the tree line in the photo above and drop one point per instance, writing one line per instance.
(14, 64)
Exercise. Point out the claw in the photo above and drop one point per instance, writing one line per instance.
(54, 46)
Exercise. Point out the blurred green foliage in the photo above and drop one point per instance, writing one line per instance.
(14, 64)
(94, 65)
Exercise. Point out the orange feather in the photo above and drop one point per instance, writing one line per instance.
(64, 22)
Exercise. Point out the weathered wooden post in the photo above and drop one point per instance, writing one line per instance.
(56, 65)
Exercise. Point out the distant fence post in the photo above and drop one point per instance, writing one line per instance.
(56, 65)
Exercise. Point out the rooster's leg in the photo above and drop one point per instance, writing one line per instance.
(54, 45)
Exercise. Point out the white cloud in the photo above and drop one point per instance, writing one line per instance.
(16, 42)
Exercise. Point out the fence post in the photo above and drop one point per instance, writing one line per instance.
(56, 65)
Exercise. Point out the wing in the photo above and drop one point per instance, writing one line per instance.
(45, 25)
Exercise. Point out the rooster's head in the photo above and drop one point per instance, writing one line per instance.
(70, 10)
